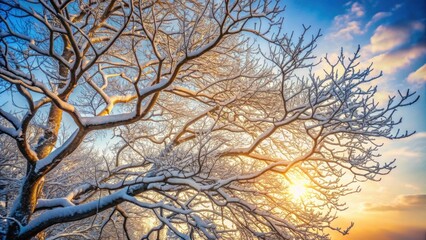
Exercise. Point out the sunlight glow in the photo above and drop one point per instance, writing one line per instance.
(297, 190)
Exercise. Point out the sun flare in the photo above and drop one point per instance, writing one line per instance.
(297, 190)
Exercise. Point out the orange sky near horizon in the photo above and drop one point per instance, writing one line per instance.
(393, 208)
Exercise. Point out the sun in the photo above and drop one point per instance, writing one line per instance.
(297, 190)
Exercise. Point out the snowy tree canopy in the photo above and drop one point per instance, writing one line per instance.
(216, 122)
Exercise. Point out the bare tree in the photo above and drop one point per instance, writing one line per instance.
(211, 131)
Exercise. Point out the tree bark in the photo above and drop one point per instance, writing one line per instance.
(32, 185)
(25, 204)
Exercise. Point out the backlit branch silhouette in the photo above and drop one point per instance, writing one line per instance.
(214, 111)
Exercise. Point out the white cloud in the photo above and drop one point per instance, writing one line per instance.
(397, 6)
(419, 76)
(403, 153)
(377, 17)
(390, 63)
(386, 38)
(348, 24)
(347, 32)
(357, 9)
(396, 47)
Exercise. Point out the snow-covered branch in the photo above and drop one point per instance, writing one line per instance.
(207, 132)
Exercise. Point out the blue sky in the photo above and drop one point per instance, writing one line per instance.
(391, 35)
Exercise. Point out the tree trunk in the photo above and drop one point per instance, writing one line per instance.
(24, 205)
(32, 184)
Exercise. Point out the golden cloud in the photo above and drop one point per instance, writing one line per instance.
(419, 76)
(391, 62)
